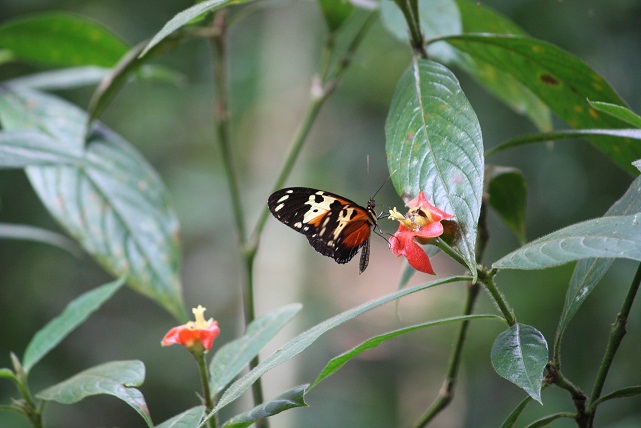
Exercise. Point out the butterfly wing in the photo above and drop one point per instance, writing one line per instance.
(335, 226)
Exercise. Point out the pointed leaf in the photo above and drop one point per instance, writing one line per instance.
(183, 18)
(187, 419)
(516, 413)
(232, 358)
(630, 391)
(117, 378)
(36, 234)
(337, 362)
(560, 80)
(434, 143)
(520, 355)
(624, 135)
(507, 194)
(21, 148)
(618, 111)
(76, 312)
(291, 399)
(588, 273)
(114, 204)
(607, 237)
(305, 339)
(61, 39)
(66, 78)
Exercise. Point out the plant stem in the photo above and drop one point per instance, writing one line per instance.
(221, 120)
(410, 12)
(499, 300)
(204, 380)
(320, 91)
(446, 394)
(617, 332)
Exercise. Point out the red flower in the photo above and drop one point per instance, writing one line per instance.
(196, 335)
(423, 222)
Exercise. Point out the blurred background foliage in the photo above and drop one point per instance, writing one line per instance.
(273, 55)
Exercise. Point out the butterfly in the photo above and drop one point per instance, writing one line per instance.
(335, 226)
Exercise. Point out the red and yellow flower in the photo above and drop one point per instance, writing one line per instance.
(198, 335)
(421, 223)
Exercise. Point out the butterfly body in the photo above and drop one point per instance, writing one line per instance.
(334, 226)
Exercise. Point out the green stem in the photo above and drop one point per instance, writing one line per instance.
(554, 376)
(221, 120)
(499, 300)
(204, 380)
(617, 332)
(446, 394)
(410, 12)
(319, 93)
(27, 406)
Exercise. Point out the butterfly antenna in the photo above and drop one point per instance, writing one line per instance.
(384, 182)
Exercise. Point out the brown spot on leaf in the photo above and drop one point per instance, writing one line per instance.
(549, 79)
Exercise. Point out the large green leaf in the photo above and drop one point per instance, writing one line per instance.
(589, 272)
(76, 312)
(305, 339)
(339, 361)
(478, 18)
(187, 419)
(520, 355)
(507, 194)
(61, 39)
(560, 80)
(607, 237)
(185, 17)
(114, 204)
(291, 399)
(232, 358)
(117, 378)
(434, 143)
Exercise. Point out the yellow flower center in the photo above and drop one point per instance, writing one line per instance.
(200, 323)
(414, 219)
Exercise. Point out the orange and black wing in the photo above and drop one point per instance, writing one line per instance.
(335, 226)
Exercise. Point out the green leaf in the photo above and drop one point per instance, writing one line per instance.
(547, 420)
(114, 204)
(335, 12)
(305, 339)
(112, 82)
(560, 80)
(185, 17)
(117, 378)
(187, 419)
(588, 273)
(337, 362)
(66, 78)
(478, 18)
(630, 391)
(6, 373)
(618, 111)
(232, 358)
(607, 237)
(507, 194)
(626, 136)
(516, 413)
(291, 399)
(76, 312)
(60, 39)
(434, 143)
(520, 355)
(37, 234)
(21, 148)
